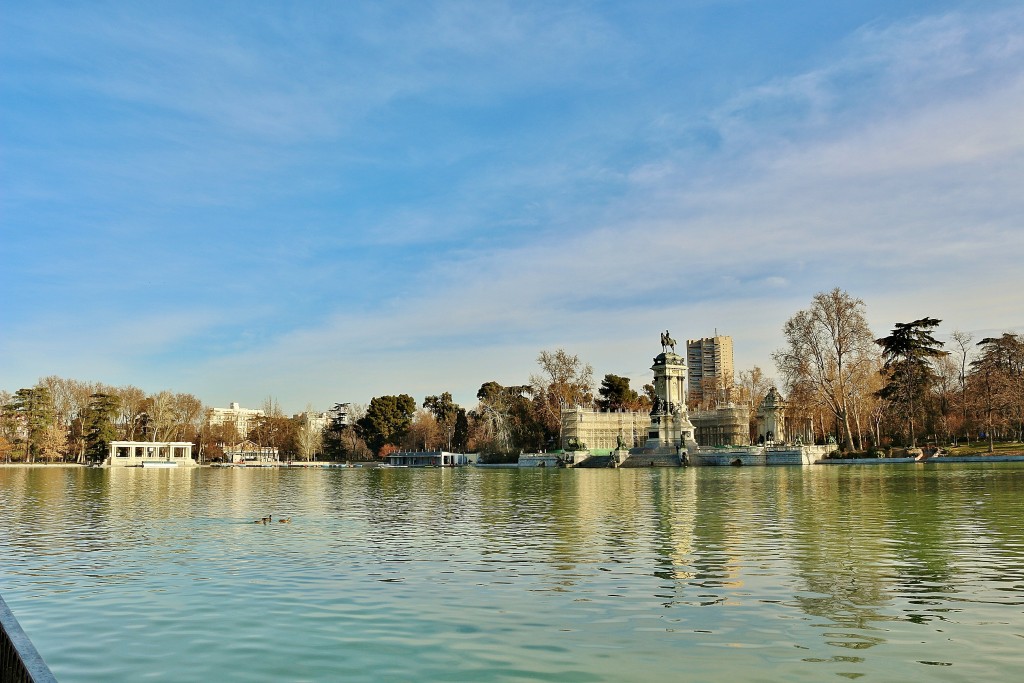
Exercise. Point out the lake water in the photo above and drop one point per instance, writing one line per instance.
(884, 573)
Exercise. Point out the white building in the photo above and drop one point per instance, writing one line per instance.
(251, 453)
(149, 454)
(318, 421)
(242, 418)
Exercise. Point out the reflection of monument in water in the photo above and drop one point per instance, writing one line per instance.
(670, 435)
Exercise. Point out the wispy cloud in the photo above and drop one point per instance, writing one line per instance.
(365, 199)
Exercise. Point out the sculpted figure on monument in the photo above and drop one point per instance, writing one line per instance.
(667, 342)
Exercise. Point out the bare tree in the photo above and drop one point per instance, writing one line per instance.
(159, 415)
(751, 388)
(53, 443)
(963, 344)
(711, 391)
(494, 414)
(565, 381)
(824, 345)
(997, 379)
(271, 408)
(865, 378)
(425, 432)
(310, 436)
(506, 419)
(62, 393)
(133, 408)
(357, 447)
(943, 403)
(71, 403)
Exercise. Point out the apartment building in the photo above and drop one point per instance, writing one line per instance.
(242, 418)
(709, 367)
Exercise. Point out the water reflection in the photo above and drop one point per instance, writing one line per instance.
(853, 571)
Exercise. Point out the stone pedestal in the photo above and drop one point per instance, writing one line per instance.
(671, 434)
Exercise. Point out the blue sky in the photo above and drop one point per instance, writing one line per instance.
(327, 202)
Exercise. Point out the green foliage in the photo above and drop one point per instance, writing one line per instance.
(34, 409)
(460, 436)
(99, 425)
(441, 407)
(445, 412)
(1004, 448)
(386, 421)
(336, 444)
(908, 352)
(616, 394)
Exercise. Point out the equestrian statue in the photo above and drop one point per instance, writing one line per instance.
(667, 342)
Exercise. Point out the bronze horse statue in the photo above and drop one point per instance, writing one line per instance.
(667, 342)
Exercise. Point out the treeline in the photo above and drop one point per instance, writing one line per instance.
(505, 421)
(69, 420)
(65, 419)
(840, 381)
(871, 392)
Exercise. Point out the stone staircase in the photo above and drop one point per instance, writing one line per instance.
(596, 461)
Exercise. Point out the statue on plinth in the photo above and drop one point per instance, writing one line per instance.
(667, 342)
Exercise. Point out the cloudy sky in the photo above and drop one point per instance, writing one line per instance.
(327, 202)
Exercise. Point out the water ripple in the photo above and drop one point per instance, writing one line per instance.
(509, 575)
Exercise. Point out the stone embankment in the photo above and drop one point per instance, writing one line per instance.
(936, 460)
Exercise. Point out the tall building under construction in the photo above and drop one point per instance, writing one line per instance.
(709, 367)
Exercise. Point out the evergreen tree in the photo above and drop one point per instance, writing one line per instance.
(460, 438)
(33, 408)
(386, 421)
(908, 352)
(444, 410)
(616, 394)
(99, 425)
(335, 444)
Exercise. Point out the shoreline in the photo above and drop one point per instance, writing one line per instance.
(936, 460)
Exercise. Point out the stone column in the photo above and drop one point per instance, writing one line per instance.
(670, 426)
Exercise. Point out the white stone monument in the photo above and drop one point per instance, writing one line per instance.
(670, 436)
(771, 419)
